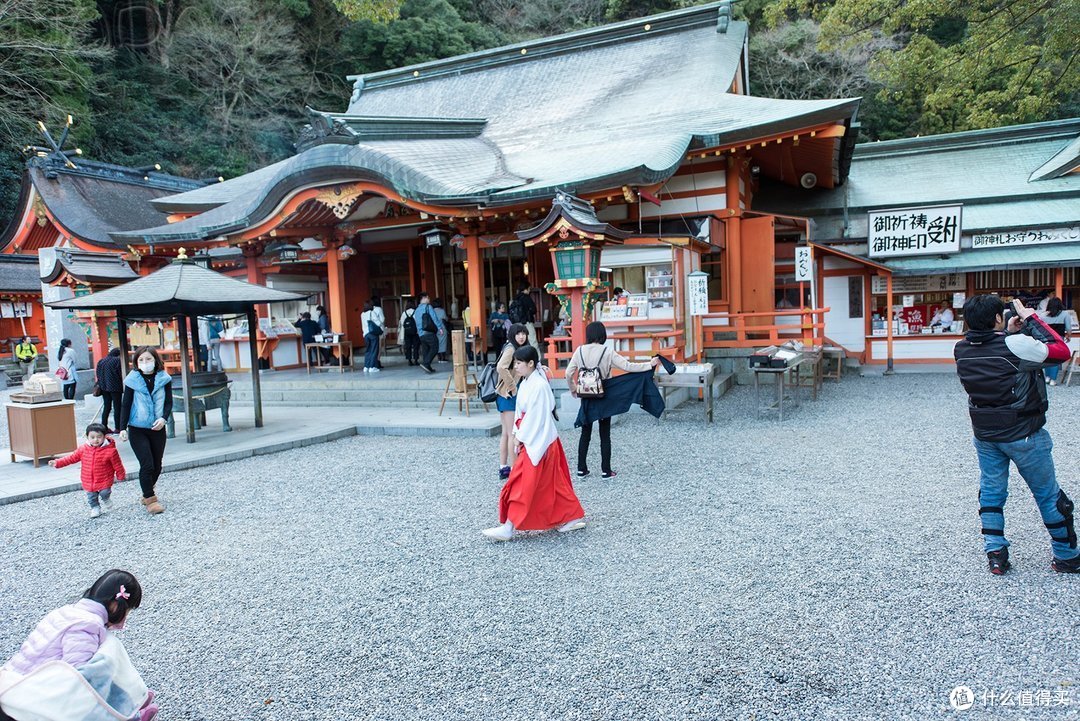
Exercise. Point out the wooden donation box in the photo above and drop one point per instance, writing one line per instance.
(41, 430)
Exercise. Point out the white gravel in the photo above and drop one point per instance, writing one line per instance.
(829, 567)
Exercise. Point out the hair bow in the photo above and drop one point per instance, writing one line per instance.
(122, 593)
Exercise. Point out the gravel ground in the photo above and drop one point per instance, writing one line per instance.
(829, 567)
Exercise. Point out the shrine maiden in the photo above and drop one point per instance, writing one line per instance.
(538, 495)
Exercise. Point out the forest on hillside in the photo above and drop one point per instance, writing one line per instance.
(218, 87)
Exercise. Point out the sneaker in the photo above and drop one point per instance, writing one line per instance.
(574, 525)
(582, 474)
(609, 474)
(372, 370)
(366, 369)
(1062, 566)
(500, 533)
(999, 561)
(427, 369)
(1053, 383)
(95, 512)
(504, 473)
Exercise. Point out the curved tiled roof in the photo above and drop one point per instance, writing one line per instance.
(584, 111)
(94, 199)
(19, 274)
(180, 287)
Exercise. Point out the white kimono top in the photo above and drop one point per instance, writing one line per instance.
(534, 426)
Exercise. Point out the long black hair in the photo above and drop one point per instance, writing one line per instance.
(1054, 307)
(116, 586)
(65, 346)
(511, 335)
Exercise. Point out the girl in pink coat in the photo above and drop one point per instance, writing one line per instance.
(73, 633)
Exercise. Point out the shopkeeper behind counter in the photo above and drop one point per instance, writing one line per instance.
(943, 317)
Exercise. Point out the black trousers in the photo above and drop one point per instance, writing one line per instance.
(429, 346)
(605, 446)
(411, 346)
(149, 448)
(69, 391)
(111, 400)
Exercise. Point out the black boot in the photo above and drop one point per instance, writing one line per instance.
(999, 561)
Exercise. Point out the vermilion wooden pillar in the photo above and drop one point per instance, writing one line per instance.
(477, 303)
(733, 234)
(335, 278)
(99, 335)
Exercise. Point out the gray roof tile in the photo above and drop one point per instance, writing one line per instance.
(580, 112)
(180, 287)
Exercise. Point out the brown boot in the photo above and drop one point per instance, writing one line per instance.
(153, 506)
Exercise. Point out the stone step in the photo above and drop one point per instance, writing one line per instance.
(358, 396)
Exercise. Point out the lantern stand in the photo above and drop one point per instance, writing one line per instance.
(576, 238)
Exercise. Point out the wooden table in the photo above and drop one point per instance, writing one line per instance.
(690, 376)
(779, 384)
(342, 347)
(41, 430)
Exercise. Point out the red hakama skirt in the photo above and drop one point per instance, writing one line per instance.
(538, 498)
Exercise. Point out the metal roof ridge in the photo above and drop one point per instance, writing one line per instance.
(682, 19)
(1004, 135)
(119, 174)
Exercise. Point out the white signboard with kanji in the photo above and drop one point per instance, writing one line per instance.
(1013, 238)
(914, 231)
(697, 292)
(804, 264)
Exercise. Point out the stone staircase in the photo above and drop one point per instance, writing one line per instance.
(11, 371)
(350, 390)
(382, 391)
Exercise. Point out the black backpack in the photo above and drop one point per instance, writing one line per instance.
(429, 321)
(516, 311)
(488, 383)
(409, 324)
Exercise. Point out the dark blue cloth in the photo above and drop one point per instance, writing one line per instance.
(621, 392)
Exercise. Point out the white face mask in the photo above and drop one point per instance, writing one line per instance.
(146, 366)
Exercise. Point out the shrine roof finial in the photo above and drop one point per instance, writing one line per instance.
(54, 155)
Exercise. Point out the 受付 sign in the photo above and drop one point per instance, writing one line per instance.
(914, 231)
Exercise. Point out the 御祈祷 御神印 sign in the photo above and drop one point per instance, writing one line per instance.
(914, 231)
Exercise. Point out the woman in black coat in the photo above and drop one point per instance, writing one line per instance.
(110, 382)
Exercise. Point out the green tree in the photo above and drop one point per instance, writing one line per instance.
(426, 30)
(960, 65)
(243, 64)
(45, 73)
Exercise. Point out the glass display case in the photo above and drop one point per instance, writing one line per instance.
(660, 285)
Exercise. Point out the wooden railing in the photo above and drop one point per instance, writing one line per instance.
(753, 330)
(668, 343)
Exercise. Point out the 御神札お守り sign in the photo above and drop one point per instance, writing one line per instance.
(914, 231)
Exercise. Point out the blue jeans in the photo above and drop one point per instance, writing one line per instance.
(94, 498)
(371, 350)
(1032, 458)
(1052, 372)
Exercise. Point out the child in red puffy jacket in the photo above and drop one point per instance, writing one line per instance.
(100, 466)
